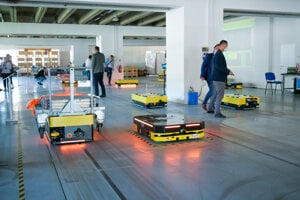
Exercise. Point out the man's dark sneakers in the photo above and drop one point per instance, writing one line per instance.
(210, 111)
(103, 96)
(220, 115)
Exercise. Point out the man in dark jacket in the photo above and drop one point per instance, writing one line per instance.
(219, 77)
(206, 73)
(98, 60)
(40, 76)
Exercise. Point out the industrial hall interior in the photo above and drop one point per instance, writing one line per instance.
(150, 100)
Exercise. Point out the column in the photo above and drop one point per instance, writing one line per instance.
(186, 33)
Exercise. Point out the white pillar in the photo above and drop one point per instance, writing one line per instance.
(186, 33)
(175, 54)
(99, 42)
(72, 54)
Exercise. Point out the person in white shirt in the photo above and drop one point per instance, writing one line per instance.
(88, 65)
(88, 62)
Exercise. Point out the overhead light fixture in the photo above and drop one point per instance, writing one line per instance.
(115, 19)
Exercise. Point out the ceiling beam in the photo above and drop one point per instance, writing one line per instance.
(109, 18)
(40, 12)
(80, 4)
(161, 23)
(135, 17)
(89, 16)
(151, 19)
(64, 15)
(13, 14)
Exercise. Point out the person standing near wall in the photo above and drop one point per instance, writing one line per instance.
(219, 77)
(88, 62)
(109, 67)
(98, 60)
(88, 65)
(206, 73)
(6, 70)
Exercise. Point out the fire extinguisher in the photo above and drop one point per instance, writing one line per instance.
(120, 68)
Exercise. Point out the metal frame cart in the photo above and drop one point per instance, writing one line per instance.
(68, 118)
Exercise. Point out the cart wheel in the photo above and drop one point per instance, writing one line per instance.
(99, 126)
(41, 132)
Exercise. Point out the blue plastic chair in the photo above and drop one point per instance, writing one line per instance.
(271, 79)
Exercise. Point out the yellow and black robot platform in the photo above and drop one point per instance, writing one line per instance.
(168, 127)
(162, 76)
(234, 85)
(70, 129)
(65, 80)
(240, 101)
(150, 100)
(121, 82)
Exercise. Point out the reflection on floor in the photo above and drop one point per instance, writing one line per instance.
(252, 154)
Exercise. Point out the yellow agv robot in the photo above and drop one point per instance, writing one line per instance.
(240, 101)
(150, 100)
(168, 127)
(234, 85)
(162, 76)
(121, 82)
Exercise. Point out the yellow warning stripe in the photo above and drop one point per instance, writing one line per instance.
(20, 168)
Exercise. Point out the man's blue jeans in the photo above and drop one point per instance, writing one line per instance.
(208, 95)
(40, 79)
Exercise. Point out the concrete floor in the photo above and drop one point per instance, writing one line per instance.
(252, 154)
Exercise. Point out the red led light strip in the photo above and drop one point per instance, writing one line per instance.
(175, 126)
(192, 125)
(143, 122)
(66, 142)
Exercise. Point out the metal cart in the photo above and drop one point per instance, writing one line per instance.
(69, 117)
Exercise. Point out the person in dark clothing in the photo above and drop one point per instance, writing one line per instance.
(98, 60)
(40, 76)
(219, 77)
(206, 73)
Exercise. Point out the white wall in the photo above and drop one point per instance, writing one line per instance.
(263, 43)
(135, 56)
(285, 32)
(64, 45)
(216, 8)
(248, 51)
(109, 37)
